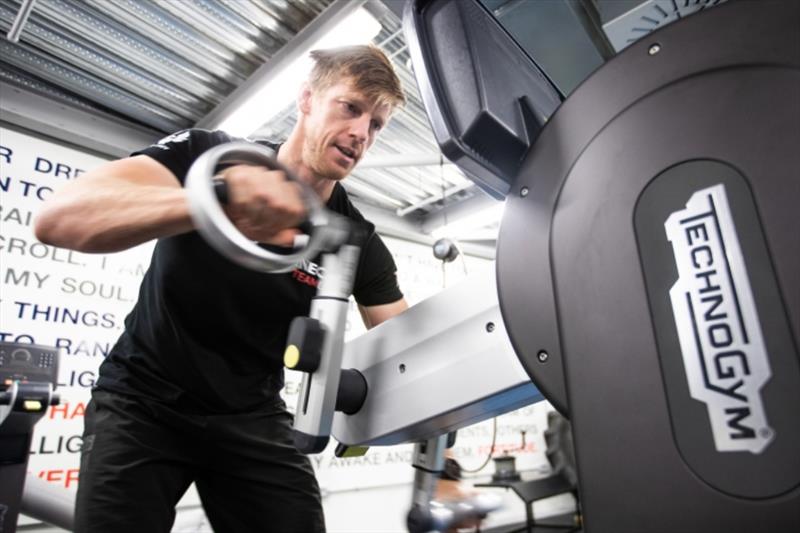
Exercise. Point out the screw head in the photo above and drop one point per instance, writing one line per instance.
(654, 49)
(402, 368)
(542, 356)
(523, 192)
(490, 327)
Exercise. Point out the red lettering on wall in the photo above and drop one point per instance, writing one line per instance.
(510, 448)
(67, 411)
(61, 476)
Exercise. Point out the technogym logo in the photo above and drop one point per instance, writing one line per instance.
(718, 327)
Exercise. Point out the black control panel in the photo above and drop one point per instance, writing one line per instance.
(28, 377)
(27, 363)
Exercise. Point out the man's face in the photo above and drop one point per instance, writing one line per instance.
(341, 124)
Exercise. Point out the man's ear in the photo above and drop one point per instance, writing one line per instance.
(304, 99)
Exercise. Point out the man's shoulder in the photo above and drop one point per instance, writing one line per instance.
(340, 203)
(193, 135)
(186, 145)
(188, 141)
(269, 143)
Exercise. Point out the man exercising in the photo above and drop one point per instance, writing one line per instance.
(190, 391)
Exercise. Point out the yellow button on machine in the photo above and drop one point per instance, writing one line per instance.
(304, 344)
(32, 405)
(291, 356)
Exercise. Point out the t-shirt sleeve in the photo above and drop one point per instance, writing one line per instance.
(376, 280)
(178, 151)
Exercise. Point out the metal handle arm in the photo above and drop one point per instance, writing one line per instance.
(328, 230)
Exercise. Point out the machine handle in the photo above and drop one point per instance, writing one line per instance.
(221, 192)
(352, 391)
(327, 230)
(316, 400)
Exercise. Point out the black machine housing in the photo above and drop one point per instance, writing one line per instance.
(648, 259)
(28, 379)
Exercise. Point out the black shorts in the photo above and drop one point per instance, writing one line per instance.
(140, 456)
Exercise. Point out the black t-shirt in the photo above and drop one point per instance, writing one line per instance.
(208, 335)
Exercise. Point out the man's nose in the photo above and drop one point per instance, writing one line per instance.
(359, 128)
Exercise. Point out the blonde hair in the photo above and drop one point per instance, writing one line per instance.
(366, 65)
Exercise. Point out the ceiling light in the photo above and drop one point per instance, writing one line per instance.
(282, 88)
(471, 222)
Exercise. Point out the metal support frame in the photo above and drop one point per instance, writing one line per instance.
(404, 160)
(443, 364)
(426, 513)
(450, 191)
(19, 22)
(456, 212)
(388, 224)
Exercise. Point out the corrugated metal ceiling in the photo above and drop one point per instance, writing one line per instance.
(166, 64)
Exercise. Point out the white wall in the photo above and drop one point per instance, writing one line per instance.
(78, 301)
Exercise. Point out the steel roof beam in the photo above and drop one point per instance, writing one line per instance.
(101, 133)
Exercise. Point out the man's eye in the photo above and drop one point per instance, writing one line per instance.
(350, 107)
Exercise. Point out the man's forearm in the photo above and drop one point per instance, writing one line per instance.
(110, 219)
(114, 207)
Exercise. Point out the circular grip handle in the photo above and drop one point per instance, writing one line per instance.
(327, 229)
